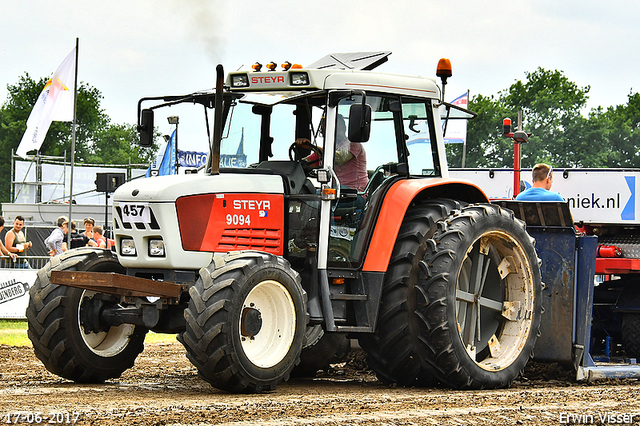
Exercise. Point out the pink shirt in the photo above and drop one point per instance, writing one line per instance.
(353, 173)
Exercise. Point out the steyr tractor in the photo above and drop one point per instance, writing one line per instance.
(267, 268)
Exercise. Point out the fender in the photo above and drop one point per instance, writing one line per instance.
(395, 205)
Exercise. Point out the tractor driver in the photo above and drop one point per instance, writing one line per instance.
(350, 160)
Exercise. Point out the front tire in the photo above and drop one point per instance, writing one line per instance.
(482, 304)
(246, 322)
(57, 334)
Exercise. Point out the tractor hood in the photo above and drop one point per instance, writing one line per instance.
(170, 188)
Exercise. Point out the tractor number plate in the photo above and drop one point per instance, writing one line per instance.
(138, 212)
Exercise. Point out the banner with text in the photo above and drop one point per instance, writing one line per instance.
(14, 292)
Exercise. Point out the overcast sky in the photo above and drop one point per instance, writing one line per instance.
(131, 49)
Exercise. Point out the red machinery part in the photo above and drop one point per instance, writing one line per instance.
(608, 251)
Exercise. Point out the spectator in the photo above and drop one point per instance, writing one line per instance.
(542, 176)
(54, 242)
(80, 240)
(89, 223)
(16, 242)
(98, 237)
(3, 249)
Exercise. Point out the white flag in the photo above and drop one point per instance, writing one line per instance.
(55, 103)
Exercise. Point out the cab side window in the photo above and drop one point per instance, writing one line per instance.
(419, 128)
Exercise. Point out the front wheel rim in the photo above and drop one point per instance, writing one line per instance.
(105, 343)
(267, 324)
(495, 296)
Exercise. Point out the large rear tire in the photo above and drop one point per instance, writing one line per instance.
(245, 322)
(631, 334)
(57, 334)
(393, 352)
(481, 305)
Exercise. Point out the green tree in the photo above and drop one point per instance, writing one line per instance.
(97, 140)
(622, 133)
(486, 147)
(113, 145)
(551, 107)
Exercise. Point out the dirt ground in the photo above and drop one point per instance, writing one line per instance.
(164, 389)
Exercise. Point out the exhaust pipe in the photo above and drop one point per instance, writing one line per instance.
(218, 125)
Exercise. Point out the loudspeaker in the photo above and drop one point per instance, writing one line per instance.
(108, 182)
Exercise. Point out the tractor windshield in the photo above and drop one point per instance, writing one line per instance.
(259, 132)
(402, 131)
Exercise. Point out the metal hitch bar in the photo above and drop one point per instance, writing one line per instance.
(118, 284)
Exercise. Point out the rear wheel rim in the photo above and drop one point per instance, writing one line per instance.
(267, 324)
(495, 295)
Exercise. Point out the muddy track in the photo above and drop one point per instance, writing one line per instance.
(164, 389)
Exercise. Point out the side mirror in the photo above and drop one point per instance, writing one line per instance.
(146, 127)
(359, 122)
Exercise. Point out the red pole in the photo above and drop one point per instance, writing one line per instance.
(516, 169)
(506, 132)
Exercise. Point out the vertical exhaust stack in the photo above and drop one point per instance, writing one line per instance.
(214, 158)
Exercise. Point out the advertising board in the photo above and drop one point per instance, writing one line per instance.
(594, 195)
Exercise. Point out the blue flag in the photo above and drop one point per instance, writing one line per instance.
(168, 165)
(153, 167)
(164, 164)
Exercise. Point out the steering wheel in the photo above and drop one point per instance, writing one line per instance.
(294, 154)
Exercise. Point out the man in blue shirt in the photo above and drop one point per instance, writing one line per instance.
(542, 176)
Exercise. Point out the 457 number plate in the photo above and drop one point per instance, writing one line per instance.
(138, 212)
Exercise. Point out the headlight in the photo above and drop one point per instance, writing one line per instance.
(127, 247)
(240, 80)
(156, 247)
(299, 79)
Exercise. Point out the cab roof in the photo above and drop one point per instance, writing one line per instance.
(285, 84)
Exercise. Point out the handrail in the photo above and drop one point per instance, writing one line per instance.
(35, 262)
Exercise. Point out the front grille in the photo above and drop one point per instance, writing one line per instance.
(269, 240)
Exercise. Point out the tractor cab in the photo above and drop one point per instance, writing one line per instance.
(335, 147)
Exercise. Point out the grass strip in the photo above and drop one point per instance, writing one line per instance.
(14, 333)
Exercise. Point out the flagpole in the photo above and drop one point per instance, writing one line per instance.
(73, 146)
(464, 142)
